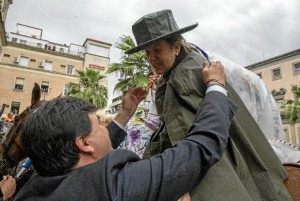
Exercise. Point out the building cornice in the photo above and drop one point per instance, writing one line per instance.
(97, 41)
(37, 49)
(274, 59)
(36, 70)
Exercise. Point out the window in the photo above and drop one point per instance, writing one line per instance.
(296, 69)
(19, 85)
(14, 40)
(23, 42)
(280, 102)
(70, 70)
(45, 87)
(66, 90)
(15, 107)
(23, 61)
(48, 65)
(276, 73)
(279, 97)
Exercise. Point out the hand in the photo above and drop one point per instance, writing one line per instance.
(130, 102)
(152, 81)
(8, 186)
(214, 73)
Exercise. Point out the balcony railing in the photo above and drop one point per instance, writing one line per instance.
(46, 46)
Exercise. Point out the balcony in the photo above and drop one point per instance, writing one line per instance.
(45, 46)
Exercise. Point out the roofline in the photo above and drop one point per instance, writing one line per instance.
(274, 59)
(94, 40)
(29, 26)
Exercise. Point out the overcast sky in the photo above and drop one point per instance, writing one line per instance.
(244, 31)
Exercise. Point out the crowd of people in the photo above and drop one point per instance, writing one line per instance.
(50, 47)
(205, 146)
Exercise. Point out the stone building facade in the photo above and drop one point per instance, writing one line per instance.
(28, 58)
(280, 73)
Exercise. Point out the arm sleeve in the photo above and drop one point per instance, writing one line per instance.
(177, 170)
(116, 134)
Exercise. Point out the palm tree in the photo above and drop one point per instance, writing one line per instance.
(134, 68)
(89, 88)
(293, 109)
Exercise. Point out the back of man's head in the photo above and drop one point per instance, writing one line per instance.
(50, 131)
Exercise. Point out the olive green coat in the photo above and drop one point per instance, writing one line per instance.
(249, 169)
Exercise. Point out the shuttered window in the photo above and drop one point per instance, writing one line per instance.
(19, 85)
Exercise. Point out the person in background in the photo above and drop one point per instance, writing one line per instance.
(9, 117)
(74, 158)
(105, 119)
(7, 187)
(249, 169)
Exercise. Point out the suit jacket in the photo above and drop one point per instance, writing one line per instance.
(116, 134)
(250, 170)
(121, 175)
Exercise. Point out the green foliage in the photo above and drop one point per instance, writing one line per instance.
(293, 106)
(134, 68)
(89, 88)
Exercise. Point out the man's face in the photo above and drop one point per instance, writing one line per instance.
(98, 138)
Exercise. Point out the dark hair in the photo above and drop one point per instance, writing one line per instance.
(185, 48)
(49, 134)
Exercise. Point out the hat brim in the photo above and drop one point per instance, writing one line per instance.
(177, 32)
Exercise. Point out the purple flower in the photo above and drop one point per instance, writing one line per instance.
(134, 136)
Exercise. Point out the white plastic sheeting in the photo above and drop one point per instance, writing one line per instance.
(261, 105)
(258, 100)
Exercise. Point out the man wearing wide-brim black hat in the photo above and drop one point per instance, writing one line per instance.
(249, 169)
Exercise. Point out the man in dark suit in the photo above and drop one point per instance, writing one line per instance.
(74, 158)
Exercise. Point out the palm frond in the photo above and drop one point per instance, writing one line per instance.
(133, 68)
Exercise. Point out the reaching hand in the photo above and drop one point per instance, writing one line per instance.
(152, 81)
(8, 186)
(130, 103)
(132, 99)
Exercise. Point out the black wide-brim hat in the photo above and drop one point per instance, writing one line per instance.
(154, 27)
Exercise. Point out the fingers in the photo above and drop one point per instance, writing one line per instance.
(7, 177)
(214, 72)
(154, 77)
(136, 94)
(153, 81)
(206, 64)
(140, 93)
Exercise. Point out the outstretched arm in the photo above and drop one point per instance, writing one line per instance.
(177, 170)
(129, 105)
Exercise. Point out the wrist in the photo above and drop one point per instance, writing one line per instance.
(122, 117)
(214, 82)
